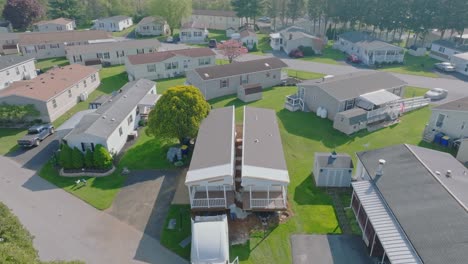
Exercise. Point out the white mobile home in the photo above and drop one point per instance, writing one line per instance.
(215, 19)
(461, 62)
(444, 49)
(113, 24)
(193, 32)
(153, 26)
(16, 68)
(59, 24)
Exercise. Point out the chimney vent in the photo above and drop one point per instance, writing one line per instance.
(380, 167)
(448, 174)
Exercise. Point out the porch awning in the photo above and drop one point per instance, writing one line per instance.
(377, 98)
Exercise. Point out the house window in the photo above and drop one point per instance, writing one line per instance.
(183, 34)
(17, 71)
(54, 46)
(99, 55)
(441, 49)
(24, 68)
(440, 120)
(172, 65)
(54, 103)
(106, 55)
(130, 119)
(204, 61)
(7, 72)
(197, 34)
(120, 131)
(223, 83)
(93, 78)
(85, 83)
(70, 93)
(120, 54)
(40, 46)
(244, 79)
(140, 51)
(349, 104)
(267, 74)
(151, 67)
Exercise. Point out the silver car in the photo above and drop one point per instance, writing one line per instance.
(445, 66)
(436, 94)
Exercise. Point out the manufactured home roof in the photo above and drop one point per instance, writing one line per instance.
(112, 46)
(61, 36)
(11, 60)
(60, 21)
(457, 105)
(213, 155)
(114, 18)
(430, 209)
(210, 240)
(109, 116)
(451, 44)
(193, 24)
(262, 150)
(463, 56)
(365, 40)
(164, 55)
(350, 86)
(237, 68)
(223, 13)
(151, 19)
(341, 160)
(247, 32)
(50, 84)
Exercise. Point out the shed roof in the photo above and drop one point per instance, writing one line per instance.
(108, 117)
(151, 19)
(12, 60)
(340, 161)
(61, 36)
(213, 156)
(210, 240)
(246, 33)
(355, 115)
(60, 21)
(164, 55)
(350, 86)
(430, 208)
(456, 105)
(223, 13)
(237, 68)
(252, 88)
(262, 150)
(365, 40)
(50, 84)
(112, 46)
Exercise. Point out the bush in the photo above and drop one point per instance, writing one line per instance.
(77, 159)
(88, 159)
(307, 51)
(254, 48)
(142, 122)
(65, 157)
(17, 113)
(102, 158)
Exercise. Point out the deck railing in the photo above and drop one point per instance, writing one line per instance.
(208, 202)
(267, 203)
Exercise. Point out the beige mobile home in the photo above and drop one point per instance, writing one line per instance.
(113, 24)
(216, 19)
(59, 24)
(16, 68)
(153, 26)
(450, 118)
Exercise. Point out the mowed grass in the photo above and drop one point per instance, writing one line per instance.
(8, 138)
(124, 32)
(263, 44)
(170, 238)
(46, 64)
(329, 56)
(303, 75)
(421, 66)
(411, 91)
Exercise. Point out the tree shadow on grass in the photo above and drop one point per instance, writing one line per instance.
(113, 83)
(307, 193)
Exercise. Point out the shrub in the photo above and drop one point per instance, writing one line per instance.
(142, 122)
(254, 48)
(307, 51)
(65, 156)
(102, 158)
(88, 159)
(77, 159)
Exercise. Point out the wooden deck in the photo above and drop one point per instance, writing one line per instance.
(216, 200)
(261, 203)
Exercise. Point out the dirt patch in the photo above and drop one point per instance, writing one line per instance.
(240, 230)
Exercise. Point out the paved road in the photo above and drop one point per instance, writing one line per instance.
(66, 228)
(34, 158)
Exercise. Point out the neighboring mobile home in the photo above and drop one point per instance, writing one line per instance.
(444, 49)
(5, 26)
(166, 64)
(9, 43)
(215, 19)
(292, 37)
(16, 68)
(54, 92)
(410, 204)
(111, 53)
(265, 176)
(153, 26)
(113, 24)
(461, 62)
(210, 177)
(248, 38)
(193, 32)
(43, 45)
(59, 24)
(219, 80)
(112, 123)
(368, 49)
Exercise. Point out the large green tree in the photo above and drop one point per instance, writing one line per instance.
(22, 13)
(178, 113)
(174, 11)
(73, 9)
(295, 9)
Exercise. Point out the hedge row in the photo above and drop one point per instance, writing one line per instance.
(74, 159)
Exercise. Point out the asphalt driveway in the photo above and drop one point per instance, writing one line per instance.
(34, 158)
(329, 249)
(144, 200)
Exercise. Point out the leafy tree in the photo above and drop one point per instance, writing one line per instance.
(17, 113)
(88, 159)
(248, 8)
(102, 158)
(232, 49)
(77, 159)
(178, 113)
(295, 8)
(65, 157)
(173, 10)
(73, 9)
(22, 13)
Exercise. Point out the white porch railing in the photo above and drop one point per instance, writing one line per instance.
(267, 203)
(294, 102)
(235, 261)
(208, 202)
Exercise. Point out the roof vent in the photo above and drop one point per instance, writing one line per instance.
(206, 75)
(103, 117)
(448, 174)
(256, 140)
(437, 173)
(379, 171)
(267, 65)
(113, 119)
(125, 96)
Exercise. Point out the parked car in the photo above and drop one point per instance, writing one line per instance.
(264, 19)
(212, 43)
(296, 53)
(436, 94)
(353, 59)
(35, 135)
(445, 66)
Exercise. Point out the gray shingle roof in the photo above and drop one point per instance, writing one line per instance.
(433, 220)
(112, 46)
(365, 40)
(11, 60)
(237, 68)
(457, 105)
(342, 161)
(349, 86)
(107, 118)
(450, 44)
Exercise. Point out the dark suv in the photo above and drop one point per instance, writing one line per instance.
(213, 43)
(35, 135)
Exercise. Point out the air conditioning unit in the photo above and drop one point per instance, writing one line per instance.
(27, 76)
(84, 96)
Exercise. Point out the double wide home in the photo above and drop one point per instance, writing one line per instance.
(153, 26)
(219, 80)
(193, 32)
(445, 49)
(54, 92)
(111, 53)
(9, 43)
(113, 24)
(59, 24)
(460, 61)
(112, 123)
(246, 167)
(291, 38)
(369, 49)
(216, 19)
(16, 68)
(166, 64)
(52, 44)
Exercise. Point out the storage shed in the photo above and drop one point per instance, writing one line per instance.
(350, 121)
(250, 92)
(332, 169)
(210, 240)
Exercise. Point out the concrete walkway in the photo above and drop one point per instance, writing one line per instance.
(67, 228)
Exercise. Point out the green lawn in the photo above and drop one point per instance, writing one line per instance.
(8, 138)
(411, 91)
(304, 75)
(263, 44)
(46, 64)
(422, 66)
(124, 32)
(164, 84)
(172, 238)
(328, 56)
